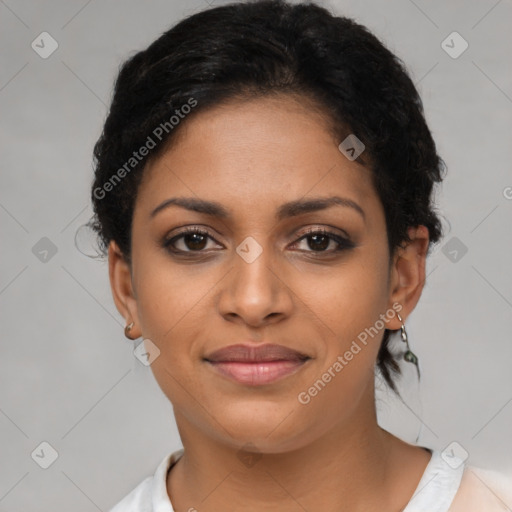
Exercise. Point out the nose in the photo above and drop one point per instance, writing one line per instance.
(255, 292)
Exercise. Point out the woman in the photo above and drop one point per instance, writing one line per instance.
(263, 191)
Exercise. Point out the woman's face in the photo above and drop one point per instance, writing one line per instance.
(255, 279)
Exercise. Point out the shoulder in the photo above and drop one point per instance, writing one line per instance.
(151, 494)
(138, 500)
(449, 485)
(483, 490)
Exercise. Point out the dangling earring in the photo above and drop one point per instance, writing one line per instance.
(409, 356)
(127, 330)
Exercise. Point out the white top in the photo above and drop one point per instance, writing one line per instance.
(447, 485)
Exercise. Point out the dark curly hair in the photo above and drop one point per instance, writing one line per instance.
(245, 50)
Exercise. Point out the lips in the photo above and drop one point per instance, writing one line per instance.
(256, 365)
(254, 354)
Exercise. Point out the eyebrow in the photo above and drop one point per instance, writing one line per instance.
(287, 210)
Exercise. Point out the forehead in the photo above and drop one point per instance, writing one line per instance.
(247, 154)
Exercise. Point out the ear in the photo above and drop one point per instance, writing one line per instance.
(407, 274)
(122, 289)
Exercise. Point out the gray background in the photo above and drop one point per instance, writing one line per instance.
(68, 375)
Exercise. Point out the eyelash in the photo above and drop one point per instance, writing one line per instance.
(343, 243)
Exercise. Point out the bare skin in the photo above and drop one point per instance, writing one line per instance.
(329, 454)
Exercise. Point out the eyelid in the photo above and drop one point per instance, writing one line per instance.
(329, 230)
(190, 228)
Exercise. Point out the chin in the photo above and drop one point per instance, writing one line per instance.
(270, 428)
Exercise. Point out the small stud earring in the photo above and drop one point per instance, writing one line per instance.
(127, 330)
(409, 356)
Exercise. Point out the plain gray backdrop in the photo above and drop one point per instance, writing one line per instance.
(68, 375)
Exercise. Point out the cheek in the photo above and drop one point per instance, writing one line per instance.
(350, 304)
(169, 297)
(167, 311)
(351, 297)
(174, 306)
(345, 371)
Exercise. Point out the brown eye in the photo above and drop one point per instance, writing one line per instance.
(320, 239)
(318, 242)
(191, 240)
(194, 241)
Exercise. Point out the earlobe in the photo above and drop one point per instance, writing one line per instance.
(408, 274)
(122, 287)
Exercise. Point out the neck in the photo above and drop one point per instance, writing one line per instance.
(355, 466)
